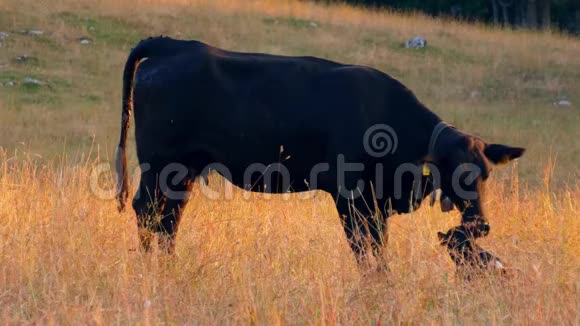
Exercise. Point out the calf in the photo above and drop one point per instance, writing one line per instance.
(469, 258)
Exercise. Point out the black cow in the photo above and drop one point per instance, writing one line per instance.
(277, 124)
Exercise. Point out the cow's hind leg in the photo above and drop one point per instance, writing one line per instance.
(176, 182)
(176, 200)
(147, 204)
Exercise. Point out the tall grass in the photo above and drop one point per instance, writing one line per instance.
(67, 256)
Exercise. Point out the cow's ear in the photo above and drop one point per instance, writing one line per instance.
(502, 154)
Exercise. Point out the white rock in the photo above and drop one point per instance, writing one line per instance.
(10, 83)
(563, 103)
(22, 58)
(32, 81)
(85, 40)
(146, 304)
(35, 32)
(3, 35)
(313, 25)
(416, 43)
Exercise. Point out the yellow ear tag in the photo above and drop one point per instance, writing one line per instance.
(426, 171)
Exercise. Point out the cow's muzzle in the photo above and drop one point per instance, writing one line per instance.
(484, 228)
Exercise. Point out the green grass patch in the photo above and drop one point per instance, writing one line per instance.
(27, 61)
(292, 22)
(91, 98)
(48, 92)
(48, 41)
(431, 50)
(112, 31)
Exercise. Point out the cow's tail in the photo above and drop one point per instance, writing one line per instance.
(136, 56)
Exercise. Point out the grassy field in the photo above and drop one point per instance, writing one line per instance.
(67, 256)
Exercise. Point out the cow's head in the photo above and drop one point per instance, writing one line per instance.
(463, 164)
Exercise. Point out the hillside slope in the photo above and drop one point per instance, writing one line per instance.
(495, 83)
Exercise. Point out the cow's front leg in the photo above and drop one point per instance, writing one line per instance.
(356, 240)
(378, 227)
(363, 227)
(357, 232)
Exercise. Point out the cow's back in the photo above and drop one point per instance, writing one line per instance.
(243, 108)
(214, 96)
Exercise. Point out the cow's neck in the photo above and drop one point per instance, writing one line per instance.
(417, 135)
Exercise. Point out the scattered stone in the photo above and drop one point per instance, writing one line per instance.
(474, 94)
(313, 25)
(35, 32)
(32, 81)
(146, 304)
(563, 103)
(3, 35)
(24, 58)
(9, 83)
(92, 28)
(85, 40)
(416, 43)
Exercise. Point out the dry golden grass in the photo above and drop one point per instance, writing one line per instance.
(67, 257)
